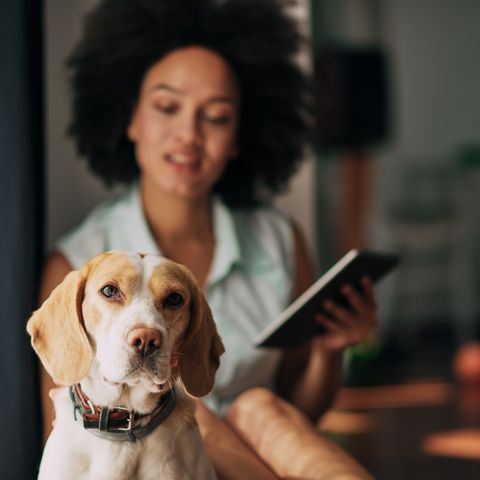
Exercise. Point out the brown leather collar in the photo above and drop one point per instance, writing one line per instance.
(118, 423)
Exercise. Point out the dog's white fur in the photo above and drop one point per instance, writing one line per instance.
(81, 336)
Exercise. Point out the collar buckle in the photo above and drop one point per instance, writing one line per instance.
(108, 423)
(128, 428)
(91, 406)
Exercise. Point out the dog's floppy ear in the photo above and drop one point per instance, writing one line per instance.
(201, 349)
(58, 333)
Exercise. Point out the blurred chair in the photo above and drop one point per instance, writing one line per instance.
(430, 223)
(467, 255)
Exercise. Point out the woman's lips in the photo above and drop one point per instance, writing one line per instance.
(182, 160)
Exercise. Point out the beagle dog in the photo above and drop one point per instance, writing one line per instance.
(132, 339)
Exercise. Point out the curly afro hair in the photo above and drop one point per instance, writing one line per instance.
(122, 39)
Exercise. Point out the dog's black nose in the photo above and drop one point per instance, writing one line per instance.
(144, 340)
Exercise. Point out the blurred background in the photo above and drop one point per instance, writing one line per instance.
(396, 167)
(398, 157)
(397, 164)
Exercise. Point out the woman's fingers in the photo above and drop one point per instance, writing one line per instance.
(356, 301)
(345, 326)
(343, 316)
(368, 291)
(329, 324)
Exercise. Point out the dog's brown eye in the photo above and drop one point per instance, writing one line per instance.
(175, 299)
(110, 291)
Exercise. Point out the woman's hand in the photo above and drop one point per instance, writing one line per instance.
(344, 327)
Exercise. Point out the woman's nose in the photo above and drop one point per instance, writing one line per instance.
(189, 131)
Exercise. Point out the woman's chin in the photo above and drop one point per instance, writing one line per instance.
(189, 193)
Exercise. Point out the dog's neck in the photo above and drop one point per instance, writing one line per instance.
(141, 397)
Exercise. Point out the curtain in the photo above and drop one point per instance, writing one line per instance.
(21, 194)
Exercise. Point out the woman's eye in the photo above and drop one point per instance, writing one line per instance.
(167, 109)
(110, 291)
(175, 299)
(222, 120)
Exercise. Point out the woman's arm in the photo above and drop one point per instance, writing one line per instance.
(310, 376)
(54, 272)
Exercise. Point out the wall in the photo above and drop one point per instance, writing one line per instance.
(435, 70)
(434, 47)
(422, 204)
(71, 190)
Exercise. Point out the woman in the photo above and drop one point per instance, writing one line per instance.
(202, 110)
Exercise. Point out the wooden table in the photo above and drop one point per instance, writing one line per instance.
(392, 450)
(391, 423)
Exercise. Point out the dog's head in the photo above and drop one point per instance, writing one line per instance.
(137, 318)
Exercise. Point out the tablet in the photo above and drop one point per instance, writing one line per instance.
(295, 325)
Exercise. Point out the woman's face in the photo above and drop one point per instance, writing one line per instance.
(185, 122)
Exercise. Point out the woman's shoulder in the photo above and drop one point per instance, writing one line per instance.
(265, 229)
(264, 221)
(92, 235)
